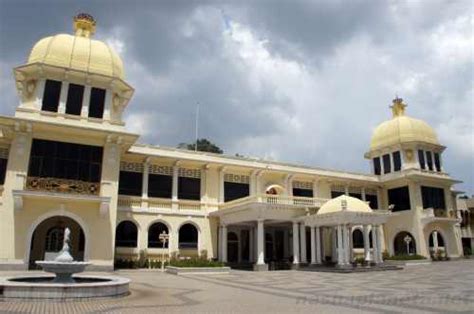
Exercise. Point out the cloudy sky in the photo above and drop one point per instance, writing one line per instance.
(296, 81)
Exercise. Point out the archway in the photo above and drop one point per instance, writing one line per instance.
(358, 239)
(126, 234)
(274, 189)
(188, 237)
(232, 247)
(403, 247)
(48, 236)
(154, 235)
(436, 243)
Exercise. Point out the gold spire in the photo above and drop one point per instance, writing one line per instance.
(84, 25)
(398, 107)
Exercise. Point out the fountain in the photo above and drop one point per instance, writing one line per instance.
(63, 285)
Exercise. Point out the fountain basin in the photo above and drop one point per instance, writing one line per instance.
(44, 287)
(63, 270)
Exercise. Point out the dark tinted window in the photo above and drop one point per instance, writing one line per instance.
(335, 194)
(52, 92)
(160, 185)
(397, 161)
(421, 158)
(400, 197)
(302, 192)
(233, 191)
(130, 183)
(433, 197)
(429, 160)
(154, 235)
(189, 188)
(126, 234)
(96, 103)
(188, 237)
(3, 170)
(75, 95)
(437, 162)
(372, 199)
(377, 165)
(65, 160)
(356, 195)
(386, 163)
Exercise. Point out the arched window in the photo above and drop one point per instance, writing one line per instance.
(404, 244)
(154, 235)
(54, 239)
(358, 239)
(188, 237)
(126, 234)
(439, 237)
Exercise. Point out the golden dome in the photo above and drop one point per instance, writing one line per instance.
(402, 129)
(344, 203)
(78, 52)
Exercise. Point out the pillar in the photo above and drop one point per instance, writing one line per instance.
(333, 244)
(318, 245)
(219, 248)
(296, 244)
(345, 234)
(251, 245)
(366, 243)
(174, 187)
(313, 246)
(260, 242)
(374, 245)
(340, 252)
(224, 243)
(221, 185)
(146, 165)
(378, 229)
(351, 244)
(86, 101)
(63, 97)
(435, 241)
(303, 243)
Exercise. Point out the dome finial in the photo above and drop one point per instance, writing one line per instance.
(398, 107)
(84, 25)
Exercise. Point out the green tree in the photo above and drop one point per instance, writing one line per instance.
(203, 145)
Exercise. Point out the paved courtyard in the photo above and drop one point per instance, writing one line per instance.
(440, 287)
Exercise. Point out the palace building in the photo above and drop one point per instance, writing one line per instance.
(67, 160)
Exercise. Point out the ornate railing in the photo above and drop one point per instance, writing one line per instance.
(62, 186)
(297, 201)
(440, 213)
(130, 202)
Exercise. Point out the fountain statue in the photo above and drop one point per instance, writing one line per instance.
(63, 265)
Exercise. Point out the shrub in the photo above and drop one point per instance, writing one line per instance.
(359, 260)
(195, 262)
(405, 257)
(385, 255)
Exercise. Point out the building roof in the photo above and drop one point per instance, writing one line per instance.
(344, 203)
(78, 51)
(402, 129)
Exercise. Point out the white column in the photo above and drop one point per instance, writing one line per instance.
(174, 188)
(318, 245)
(219, 247)
(378, 230)
(260, 242)
(253, 183)
(346, 244)
(204, 179)
(340, 251)
(362, 190)
(374, 245)
(346, 190)
(39, 93)
(379, 200)
(334, 251)
(435, 241)
(146, 165)
(251, 245)
(366, 243)
(313, 246)
(63, 97)
(108, 104)
(296, 244)
(221, 185)
(303, 243)
(316, 188)
(85, 101)
(351, 244)
(224, 243)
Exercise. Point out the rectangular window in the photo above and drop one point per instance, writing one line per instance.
(386, 163)
(75, 95)
(400, 197)
(397, 161)
(130, 183)
(437, 162)
(429, 160)
(372, 199)
(49, 159)
(335, 194)
(3, 170)
(234, 190)
(377, 167)
(160, 185)
(52, 92)
(189, 188)
(433, 197)
(302, 192)
(96, 103)
(421, 158)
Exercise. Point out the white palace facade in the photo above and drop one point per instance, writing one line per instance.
(67, 160)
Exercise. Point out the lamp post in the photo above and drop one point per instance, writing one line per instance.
(163, 238)
(407, 240)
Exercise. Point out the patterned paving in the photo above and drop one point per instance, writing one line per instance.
(438, 288)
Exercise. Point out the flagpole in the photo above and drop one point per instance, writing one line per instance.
(197, 126)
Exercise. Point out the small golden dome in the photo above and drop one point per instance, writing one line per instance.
(402, 129)
(344, 203)
(78, 52)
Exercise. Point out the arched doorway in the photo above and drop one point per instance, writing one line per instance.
(436, 242)
(47, 240)
(154, 235)
(188, 237)
(358, 239)
(404, 244)
(126, 234)
(232, 247)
